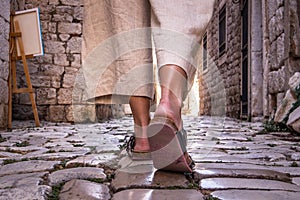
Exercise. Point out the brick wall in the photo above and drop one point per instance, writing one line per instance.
(4, 58)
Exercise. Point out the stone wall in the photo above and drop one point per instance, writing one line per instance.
(220, 82)
(283, 48)
(4, 60)
(274, 57)
(53, 75)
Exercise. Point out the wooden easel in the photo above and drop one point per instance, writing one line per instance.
(16, 38)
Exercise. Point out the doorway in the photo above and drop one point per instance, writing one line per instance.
(245, 65)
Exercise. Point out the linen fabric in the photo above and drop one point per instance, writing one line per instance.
(118, 37)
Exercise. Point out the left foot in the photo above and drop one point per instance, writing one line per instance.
(141, 145)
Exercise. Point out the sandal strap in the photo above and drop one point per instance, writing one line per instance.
(129, 143)
(182, 138)
(192, 163)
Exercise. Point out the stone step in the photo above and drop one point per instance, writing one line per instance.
(149, 194)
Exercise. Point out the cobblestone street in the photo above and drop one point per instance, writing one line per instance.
(234, 161)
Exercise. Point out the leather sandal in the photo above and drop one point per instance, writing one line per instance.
(135, 155)
(168, 146)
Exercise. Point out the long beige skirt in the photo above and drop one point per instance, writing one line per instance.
(118, 38)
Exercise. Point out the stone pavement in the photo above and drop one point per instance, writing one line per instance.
(235, 161)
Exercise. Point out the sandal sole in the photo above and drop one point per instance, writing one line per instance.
(165, 147)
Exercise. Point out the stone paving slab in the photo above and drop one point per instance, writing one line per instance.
(25, 150)
(142, 176)
(255, 194)
(2, 148)
(58, 155)
(296, 181)
(232, 137)
(94, 160)
(26, 193)
(286, 163)
(48, 134)
(224, 149)
(127, 162)
(22, 180)
(296, 156)
(34, 154)
(242, 147)
(242, 173)
(229, 159)
(150, 194)
(293, 171)
(271, 156)
(58, 144)
(84, 190)
(107, 148)
(241, 183)
(9, 154)
(64, 175)
(28, 167)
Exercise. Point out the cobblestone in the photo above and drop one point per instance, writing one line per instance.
(81, 189)
(234, 160)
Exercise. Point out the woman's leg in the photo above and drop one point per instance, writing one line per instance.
(167, 153)
(173, 82)
(140, 107)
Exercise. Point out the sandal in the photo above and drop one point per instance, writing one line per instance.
(135, 155)
(168, 146)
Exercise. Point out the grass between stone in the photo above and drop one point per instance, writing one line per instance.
(22, 144)
(55, 192)
(2, 139)
(294, 164)
(209, 197)
(10, 161)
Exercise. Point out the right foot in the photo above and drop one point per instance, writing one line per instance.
(173, 112)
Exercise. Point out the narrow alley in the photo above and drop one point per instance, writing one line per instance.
(234, 160)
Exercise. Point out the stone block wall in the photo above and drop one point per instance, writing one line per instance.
(274, 57)
(54, 74)
(220, 82)
(283, 60)
(4, 60)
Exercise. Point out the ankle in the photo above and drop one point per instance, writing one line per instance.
(171, 111)
(169, 98)
(140, 131)
(141, 144)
